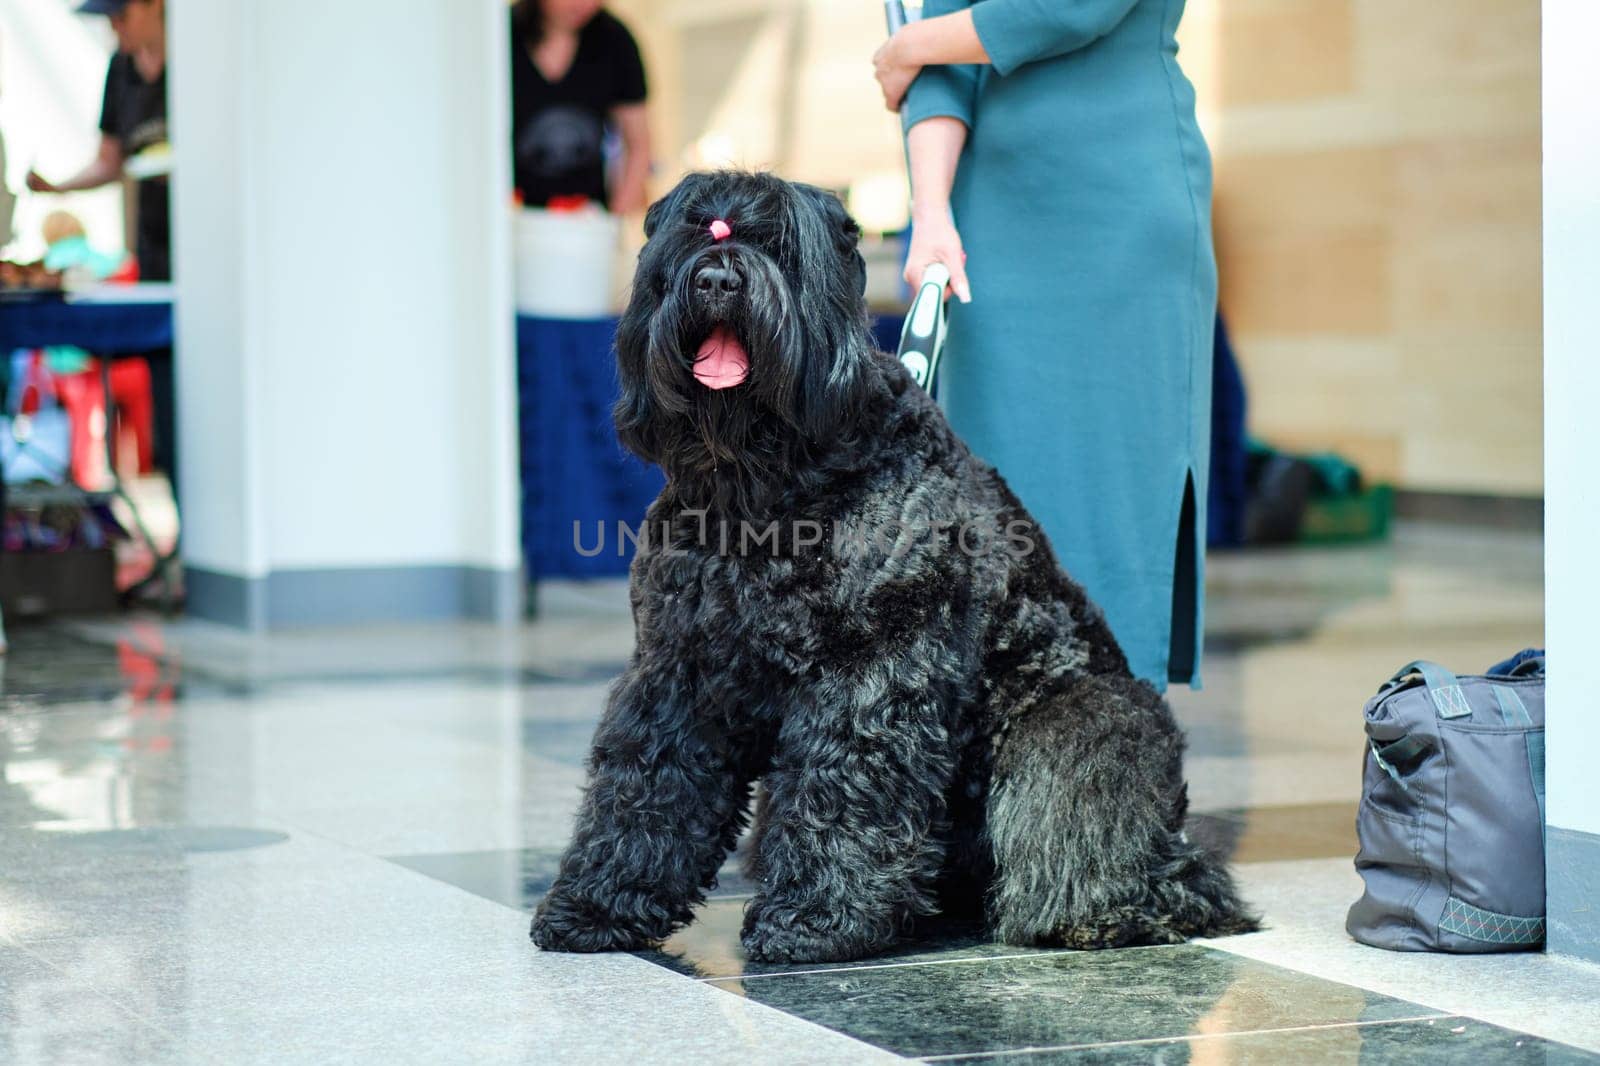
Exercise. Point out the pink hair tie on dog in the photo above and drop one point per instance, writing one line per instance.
(720, 230)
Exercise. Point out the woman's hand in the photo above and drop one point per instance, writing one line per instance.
(38, 183)
(894, 73)
(935, 240)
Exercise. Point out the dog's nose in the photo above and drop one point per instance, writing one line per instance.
(715, 279)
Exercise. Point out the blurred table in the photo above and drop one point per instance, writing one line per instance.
(121, 320)
(137, 320)
(573, 469)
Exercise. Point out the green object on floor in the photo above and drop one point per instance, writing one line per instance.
(1362, 516)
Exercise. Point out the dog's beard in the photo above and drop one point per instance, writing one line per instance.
(738, 435)
(782, 379)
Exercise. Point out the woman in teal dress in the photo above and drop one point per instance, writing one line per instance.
(1058, 171)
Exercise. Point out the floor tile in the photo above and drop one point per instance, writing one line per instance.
(580, 631)
(300, 950)
(486, 766)
(1304, 905)
(1069, 998)
(106, 857)
(47, 665)
(50, 1018)
(520, 877)
(1433, 1042)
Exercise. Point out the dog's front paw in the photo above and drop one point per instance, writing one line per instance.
(778, 933)
(562, 924)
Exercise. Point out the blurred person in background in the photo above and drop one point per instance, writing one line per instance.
(576, 77)
(1060, 137)
(133, 119)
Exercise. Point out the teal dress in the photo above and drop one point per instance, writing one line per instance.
(1082, 367)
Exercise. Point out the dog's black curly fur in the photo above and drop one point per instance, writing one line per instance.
(934, 729)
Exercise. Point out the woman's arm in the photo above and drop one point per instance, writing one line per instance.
(951, 38)
(1003, 33)
(943, 40)
(105, 168)
(628, 185)
(935, 145)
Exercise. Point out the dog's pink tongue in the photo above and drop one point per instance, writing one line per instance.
(722, 361)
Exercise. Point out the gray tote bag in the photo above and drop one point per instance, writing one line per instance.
(1451, 821)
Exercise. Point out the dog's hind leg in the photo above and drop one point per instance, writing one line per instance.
(1086, 819)
(665, 801)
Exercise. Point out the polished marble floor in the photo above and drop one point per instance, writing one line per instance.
(320, 847)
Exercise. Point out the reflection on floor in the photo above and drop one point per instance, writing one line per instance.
(321, 847)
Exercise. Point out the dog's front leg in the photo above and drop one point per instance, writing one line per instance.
(664, 804)
(850, 840)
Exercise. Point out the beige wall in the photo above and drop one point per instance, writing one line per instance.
(1377, 201)
(1377, 197)
(780, 84)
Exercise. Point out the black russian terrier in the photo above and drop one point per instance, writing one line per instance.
(834, 599)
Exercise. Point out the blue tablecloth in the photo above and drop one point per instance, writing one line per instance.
(573, 469)
(103, 328)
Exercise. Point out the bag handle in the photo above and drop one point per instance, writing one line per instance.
(1515, 713)
(1531, 667)
(1443, 686)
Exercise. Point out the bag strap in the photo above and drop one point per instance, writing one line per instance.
(1443, 686)
(1514, 712)
(1398, 757)
(1535, 741)
(1386, 766)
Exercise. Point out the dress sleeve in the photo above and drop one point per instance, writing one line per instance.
(949, 90)
(1016, 32)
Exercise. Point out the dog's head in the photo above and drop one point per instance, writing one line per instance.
(746, 337)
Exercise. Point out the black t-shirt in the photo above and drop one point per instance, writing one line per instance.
(558, 128)
(135, 112)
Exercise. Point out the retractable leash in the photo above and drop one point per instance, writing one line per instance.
(922, 337)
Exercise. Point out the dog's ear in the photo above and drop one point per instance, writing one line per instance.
(845, 231)
(831, 283)
(846, 234)
(653, 216)
(672, 203)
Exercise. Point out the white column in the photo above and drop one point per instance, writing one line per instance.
(1572, 470)
(346, 349)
